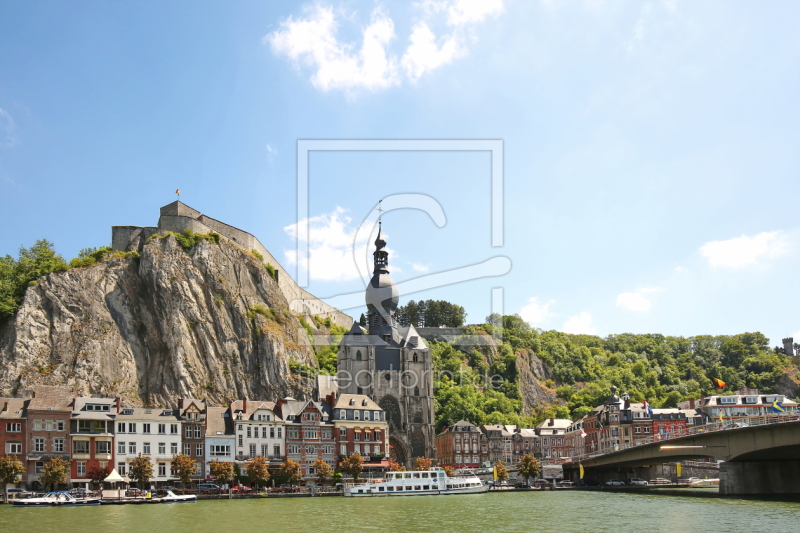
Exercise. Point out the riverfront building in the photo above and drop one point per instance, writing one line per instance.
(220, 441)
(258, 428)
(360, 427)
(13, 427)
(92, 434)
(192, 413)
(49, 413)
(153, 433)
(309, 434)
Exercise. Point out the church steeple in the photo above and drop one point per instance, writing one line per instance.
(382, 297)
(380, 255)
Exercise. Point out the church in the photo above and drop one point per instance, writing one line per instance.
(392, 365)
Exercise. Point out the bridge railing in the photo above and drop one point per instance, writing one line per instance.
(711, 427)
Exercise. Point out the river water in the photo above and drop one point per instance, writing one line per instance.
(559, 511)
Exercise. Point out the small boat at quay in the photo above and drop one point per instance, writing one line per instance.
(433, 482)
(55, 499)
(171, 497)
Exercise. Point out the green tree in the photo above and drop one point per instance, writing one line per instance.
(97, 474)
(290, 471)
(141, 470)
(529, 467)
(502, 471)
(11, 471)
(183, 467)
(324, 470)
(258, 471)
(222, 471)
(55, 472)
(17, 275)
(353, 465)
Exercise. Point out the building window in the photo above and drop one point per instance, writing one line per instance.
(264, 450)
(162, 469)
(252, 450)
(187, 449)
(121, 427)
(132, 448)
(14, 427)
(162, 448)
(146, 448)
(174, 429)
(58, 445)
(121, 470)
(102, 446)
(14, 448)
(131, 427)
(188, 432)
(145, 428)
(249, 432)
(162, 429)
(279, 432)
(121, 447)
(241, 440)
(79, 446)
(272, 432)
(276, 450)
(81, 468)
(199, 450)
(38, 444)
(173, 448)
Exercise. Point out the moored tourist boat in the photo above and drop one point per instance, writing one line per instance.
(705, 483)
(431, 482)
(52, 499)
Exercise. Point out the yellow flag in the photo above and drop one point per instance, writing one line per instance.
(494, 470)
(720, 416)
(581, 470)
(177, 191)
(678, 469)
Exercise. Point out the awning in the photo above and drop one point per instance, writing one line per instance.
(114, 477)
(382, 464)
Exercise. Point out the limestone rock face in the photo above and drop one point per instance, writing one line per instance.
(207, 323)
(789, 383)
(532, 371)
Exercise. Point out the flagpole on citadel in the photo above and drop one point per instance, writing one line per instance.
(178, 192)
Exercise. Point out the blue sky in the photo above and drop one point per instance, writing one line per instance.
(651, 161)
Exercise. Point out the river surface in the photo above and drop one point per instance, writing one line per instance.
(561, 511)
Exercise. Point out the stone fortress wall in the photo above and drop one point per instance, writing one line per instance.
(178, 217)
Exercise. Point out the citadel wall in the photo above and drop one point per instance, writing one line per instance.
(178, 217)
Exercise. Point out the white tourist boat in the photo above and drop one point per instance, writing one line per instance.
(431, 482)
(171, 497)
(705, 483)
(54, 499)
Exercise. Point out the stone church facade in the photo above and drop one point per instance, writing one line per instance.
(392, 365)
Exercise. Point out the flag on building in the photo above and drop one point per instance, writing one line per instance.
(777, 407)
(178, 192)
(720, 416)
(647, 408)
(678, 469)
(718, 383)
(580, 467)
(583, 434)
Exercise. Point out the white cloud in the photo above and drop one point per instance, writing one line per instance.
(419, 267)
(331, 241)
(633, 301)
(271, 150)
(681, 270)
(534, 312)
(7, 129)
(744, 250)
(313, 41)
(580, 323)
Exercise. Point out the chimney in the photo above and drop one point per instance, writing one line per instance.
(244, 404)
(627, 403)
(118, 401)
(691, 403)
(552, 422)
(180, 403)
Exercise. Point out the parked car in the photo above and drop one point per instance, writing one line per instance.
(241, 489)
(660, 481)
(637, 481)
(566, 483)
(208, 488)
(540, 482)
(134, 492)
(688, 480)
(589, 483)
(522, 485)
(615, 482)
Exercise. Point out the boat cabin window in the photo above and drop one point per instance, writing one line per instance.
(380, 489)
(416, 475)
(424, 474)
(441, 474)
(407, 476)
(425, 487)
(398, 476)
(390, 489)
(417, 487)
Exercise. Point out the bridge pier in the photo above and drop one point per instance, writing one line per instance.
(759, 477)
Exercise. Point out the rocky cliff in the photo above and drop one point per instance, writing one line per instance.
(532, 371)
(209, 322)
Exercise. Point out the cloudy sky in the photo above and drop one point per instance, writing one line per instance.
(650, 157)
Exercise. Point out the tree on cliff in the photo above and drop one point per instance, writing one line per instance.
(55, 472)
(11, 471)
(529, 467)
(16, 275)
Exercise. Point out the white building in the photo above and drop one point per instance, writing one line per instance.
(258, 429)
(155, 433)
(220, 437)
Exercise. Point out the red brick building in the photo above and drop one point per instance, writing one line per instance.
(193, 420)
(92, 435)
(309, 434)
(13, 426)
(361, 427)
(47, 431)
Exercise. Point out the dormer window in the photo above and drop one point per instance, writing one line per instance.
(352, 401)
(166, 412)
(363, 403)
(127, 411)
